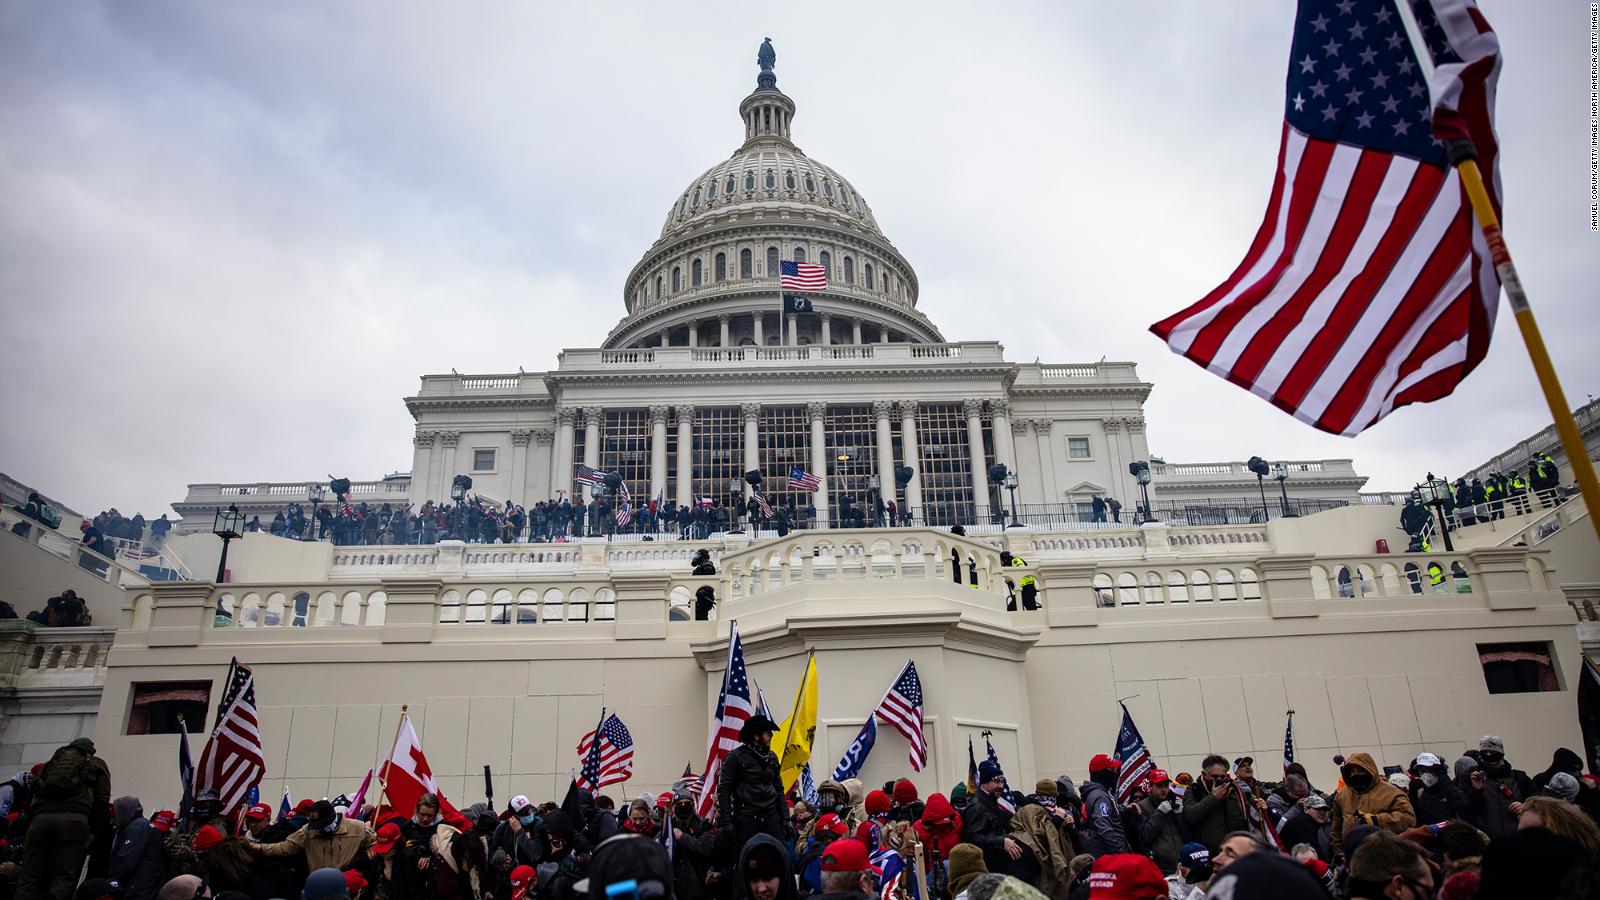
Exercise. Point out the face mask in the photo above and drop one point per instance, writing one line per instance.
(1359, 780)
(1429, 779)
(529, 819)
(827, 804)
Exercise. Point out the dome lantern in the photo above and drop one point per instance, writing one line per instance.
(767, 112)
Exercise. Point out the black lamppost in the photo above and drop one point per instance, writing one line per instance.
(1000, 475)
(458, 492)
(1260, 467)
(874, 486)
(228, 525)
(1281, 472)
(1140, 470)
(735, 490)
(1435, 492)
(317, 494)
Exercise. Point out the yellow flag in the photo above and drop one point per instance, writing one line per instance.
(792, 743)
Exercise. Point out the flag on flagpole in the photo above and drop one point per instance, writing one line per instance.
(185, 770)
(589, 475)
(624, 513)
(608, 758)
(792, 742)
(691, 781)
(231, 761)
(902, 708)
(856, 755)
(1288, 740)
(808, 786)
(1133, 755)
(761, 503)
(801, 480)
(405, 776)
(359, 798)
(284, 806)
(762, 709)
(1368, 286)
(1003, 799)
(802, 276)
(972, 769)
(733, 710)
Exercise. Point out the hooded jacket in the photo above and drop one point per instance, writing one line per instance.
(786, 888)
(844, 812)
(138, 854)
(1101, 832)
(939, 835)
(1490, 808)
(1382, 804)
(858, 801)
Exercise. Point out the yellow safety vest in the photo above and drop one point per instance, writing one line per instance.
(1017, 562)
(1435, 574)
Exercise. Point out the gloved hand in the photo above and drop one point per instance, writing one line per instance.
(1166, 806)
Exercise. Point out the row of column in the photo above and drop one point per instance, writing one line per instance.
(884, 411)
(790, 335)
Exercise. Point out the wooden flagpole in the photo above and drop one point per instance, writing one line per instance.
(383, 796)
(1464, 156)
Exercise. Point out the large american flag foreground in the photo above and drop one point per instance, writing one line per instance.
(733, 710)
(609, 763)
(902, 708)
(231, 762)
(1368, 285)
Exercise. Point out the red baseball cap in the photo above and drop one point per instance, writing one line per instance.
(259, 811)
(1101, 762)
(832, 824)
(849, 855)
(388, 834)
(524, 875)
(304, 806)
(354, 881)
(207, 837)
(1159, 775)
(1126, 876)
(162, 820)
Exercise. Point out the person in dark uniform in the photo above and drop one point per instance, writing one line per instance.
(750, 791)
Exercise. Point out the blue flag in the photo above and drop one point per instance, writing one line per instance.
(185, 771)
(808, 786)
(284, 809)
(856, 756)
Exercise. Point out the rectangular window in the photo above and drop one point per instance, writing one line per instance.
(483, 460)
(1519, 668)
(158, 704)
(1078, 448)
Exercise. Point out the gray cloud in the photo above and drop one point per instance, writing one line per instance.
(234, 235)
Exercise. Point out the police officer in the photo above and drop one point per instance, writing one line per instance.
(1436, 577)
(1029, 584)
(1495, 492)
(1414, 520)
(1519, 492)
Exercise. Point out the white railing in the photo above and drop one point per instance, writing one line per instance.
(1069, 371)
(489, 382)
(64, 547)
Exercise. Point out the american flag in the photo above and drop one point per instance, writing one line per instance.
(1003, 799)
(1134, 756)
(588, 475)
(1368, 286)
(624, 513)
(1288, 740)
(608, 760)
(799, 276)
(887, 866)
(691, 781)
(806, 787)
(801, 480)
(902, 708)
(231, 762)
(762, 504)
(733, 710)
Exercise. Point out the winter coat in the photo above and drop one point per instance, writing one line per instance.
(1382, 804)
(940, 836)
(1101, 832)
(691, 858)
(1440, 803)
(786, 888)
(139, 859)
(986, 825)
(1210, 819)
(1300, 828)
(1490, 808)
(1034, 827)
(337, 850)
(1162, 833)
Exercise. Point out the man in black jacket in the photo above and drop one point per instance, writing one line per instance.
(985, 824)
(1434, 795)
(138, 855)
(1101, 831)
(750, 790)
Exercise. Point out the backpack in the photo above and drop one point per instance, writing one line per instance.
(66, 775)
(49, 516)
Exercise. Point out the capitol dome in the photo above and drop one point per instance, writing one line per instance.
(711, 278)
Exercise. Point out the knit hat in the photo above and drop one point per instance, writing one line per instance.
(989, 770)
(1047, 788)
(1492, 742)
(1563, 785)
(1267, 876)
(845, 855)
(966, 863)
(958, 795)
(324, 883)
(1126, 876)
(878, 803)
(1100, 762)
(1528, 863)
(207, 837)
(905, 793)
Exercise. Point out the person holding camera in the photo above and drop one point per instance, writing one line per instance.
(1495, 790)
(1210, 807)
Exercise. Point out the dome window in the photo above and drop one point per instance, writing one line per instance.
(696, 201)
(866, 272)
(772, 180)
(772, 261)
(677, 279)
(799, 254)
(811, 186)
(826, 259)
(658, 287)
(749, 181)
(849, 270)
(788, 181)
(745, 270)
(711, 190)
(721, 267)
(728, 187)
(696, 272)
(827, 189)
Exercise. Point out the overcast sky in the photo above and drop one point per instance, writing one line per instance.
(233, 235)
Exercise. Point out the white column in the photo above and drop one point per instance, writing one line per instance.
(883, 334)
(561, 478)
(827, 330)
(685, 415)
(1047, 461)
(591, 444)
(658, 452)
(752, 439)
(542, 454)
(1005, 452)
(794, 330)
(908, 452)
(722, 330)
(757, 323)
(664, 338)
(980, 477)
(422, 467)
(883, 409)
(819, 457)
(855, 331)
(447, 462)
(694, 334)
(521, 440)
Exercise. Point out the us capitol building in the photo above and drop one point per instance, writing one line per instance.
(1211, 622)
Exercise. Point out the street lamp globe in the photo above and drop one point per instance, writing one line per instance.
(873, 482)
(229, 523)
(1280, 471)
(1011, 481)
(317, 494)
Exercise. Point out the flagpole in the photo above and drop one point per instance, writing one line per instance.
(383, 780)
(1463, 156)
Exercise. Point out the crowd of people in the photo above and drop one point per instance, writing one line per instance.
(1469, 502)
(64, 610)
(1476, 828)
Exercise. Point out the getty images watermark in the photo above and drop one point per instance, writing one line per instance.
(1594, 116)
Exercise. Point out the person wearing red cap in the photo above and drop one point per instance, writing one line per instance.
(1101, 831)
(1126, 876)
(1159, 812)
(354, 883)
(846, 870)
(523, 879)
(384, 861)
(257, 821)
(829, 828)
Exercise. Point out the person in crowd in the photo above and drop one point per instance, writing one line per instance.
(765, 871)
(1287, 796)
(940, 828)
(1210, 806)
(750, 789)
(829, 828)
(1494, 787)
(1193, 877)
(1560, 817)
(846, 871)
(965, 865)
(1161, 831)
(327, 840)
(1126, 876)
(1434, 795)
(1308, 822)
(1047, 858)
(1101, 830)
(1235, 845)
(1366, 799)
(1244, 773)
(987, 825)
(1386, 866)
(138, 857)
(73, 786)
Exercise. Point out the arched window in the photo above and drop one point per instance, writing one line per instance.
(728, 187)
(721, 267)
(749, 181)
(695, 273)
(788, 181)
(772, 261)
(658, 287)
(744, 263)
(696, 200)
(711, 190)
(849, 270)
(811, 186)
(866, 272)
(827, 189)
(799, 254)
(683, 205)
(844, 193)
(885, 279)
(677, 279)
(772, 180)
(826, 259)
